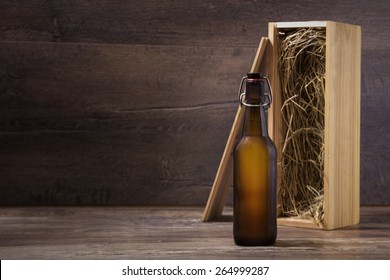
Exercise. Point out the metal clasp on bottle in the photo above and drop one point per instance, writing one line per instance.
(267, 95)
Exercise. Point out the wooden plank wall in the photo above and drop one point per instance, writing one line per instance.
(130, 102)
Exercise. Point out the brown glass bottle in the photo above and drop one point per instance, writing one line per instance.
(254, 173)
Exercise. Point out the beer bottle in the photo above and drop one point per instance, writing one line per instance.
(254, 184)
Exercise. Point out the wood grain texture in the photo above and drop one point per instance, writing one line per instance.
(174, 233)
(375, 127)
(274, 122)
(176, 22)
(168, 38)
(342, 125)
(113, 124)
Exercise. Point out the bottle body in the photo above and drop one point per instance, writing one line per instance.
(254, 192)
(254, 182)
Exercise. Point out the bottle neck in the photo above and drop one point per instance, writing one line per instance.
(255, 122)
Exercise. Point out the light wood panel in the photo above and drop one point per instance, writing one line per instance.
(342, 125)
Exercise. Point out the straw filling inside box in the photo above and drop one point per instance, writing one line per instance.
(301, 69)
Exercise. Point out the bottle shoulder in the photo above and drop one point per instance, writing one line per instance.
(248, 142)
(251, 139)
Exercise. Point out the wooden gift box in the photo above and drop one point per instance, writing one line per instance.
(342, 124)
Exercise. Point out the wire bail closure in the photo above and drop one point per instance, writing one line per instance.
(268, 96)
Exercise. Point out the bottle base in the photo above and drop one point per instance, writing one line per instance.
(254, 242)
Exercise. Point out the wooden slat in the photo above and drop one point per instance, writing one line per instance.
(300, 24)
(224, 177)
(131, 76)
(342, 123)
(113, 124)
(224, 24)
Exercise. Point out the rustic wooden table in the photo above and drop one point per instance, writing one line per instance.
(174, 233)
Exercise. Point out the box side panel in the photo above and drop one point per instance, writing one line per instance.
(342, 125)
(275, 123)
